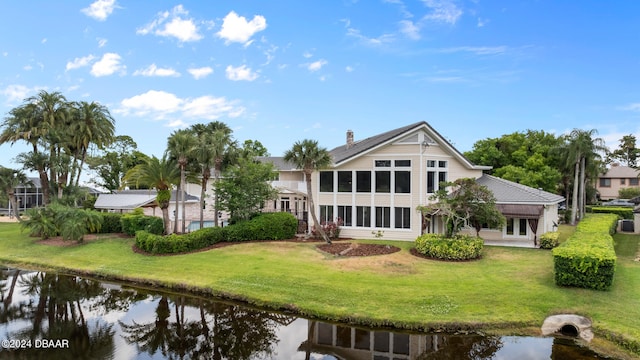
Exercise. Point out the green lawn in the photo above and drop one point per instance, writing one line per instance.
(508, 288)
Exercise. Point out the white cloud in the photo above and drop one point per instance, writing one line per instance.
(442, 11)
(370, 41)
(16, 93)
(178, 123)
(631, 107)
(108, 65)
(211, 108)
(317, 65)
(237, 29)
(477, 50)
(153, 70)
(102, 42)
(79, 62)
(349, 69)
(100, 9)
(307, 55)
(160, 105)
(152, 102)
(199, 73)
(409, 29)
(173, 24)
(240, 73)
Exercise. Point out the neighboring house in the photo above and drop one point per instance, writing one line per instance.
(376, 184)
(125, 201)
(617, 177)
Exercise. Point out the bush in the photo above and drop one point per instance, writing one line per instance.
(588, 259)
(623, 212)
(111, 223)
(273, 226)
(132, 223)
(549, 240)
(331, 228)
(461, 247)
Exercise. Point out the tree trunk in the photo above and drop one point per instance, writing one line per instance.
(165, 217)
(14, 204)
(205, 180)
(574, 196)
(312, 209)
(583, 191)
(183, 196)
(176, 209)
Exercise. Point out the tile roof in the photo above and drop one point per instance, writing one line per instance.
(509, 192)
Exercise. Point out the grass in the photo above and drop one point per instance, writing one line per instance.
(508, 288)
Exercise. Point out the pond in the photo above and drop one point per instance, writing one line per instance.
(45, 315)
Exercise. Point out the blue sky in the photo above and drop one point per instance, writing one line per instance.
(282, 71)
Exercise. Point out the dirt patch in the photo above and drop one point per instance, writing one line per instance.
(355, 249)
(59, 241)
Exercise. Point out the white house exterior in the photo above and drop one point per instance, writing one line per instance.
(375, 185)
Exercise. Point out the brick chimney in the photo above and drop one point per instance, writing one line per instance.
(349, 139)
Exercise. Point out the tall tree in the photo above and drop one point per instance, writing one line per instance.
(627, 152)
(159, 174)
(308, 156)
(582, 151)
(91, 123)
(180, 146)
(9, 180)
(114, 161)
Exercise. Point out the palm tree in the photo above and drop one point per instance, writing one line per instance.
(180, 146)
(205, 157)
(581, 150)
(91, 123)
(160, 174)
(9, 180)
(309, 157)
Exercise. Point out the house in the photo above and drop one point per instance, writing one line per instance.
(375, 186)
(616, 178)
(124, 201)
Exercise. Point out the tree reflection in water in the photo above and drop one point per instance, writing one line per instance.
(38, 305)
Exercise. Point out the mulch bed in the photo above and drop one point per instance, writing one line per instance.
(354, 249)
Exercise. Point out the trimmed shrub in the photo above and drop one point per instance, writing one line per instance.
(623, 212)
(132, 223)
(111, 223)
(273, 226)
(588, 259)
(461, 247)
(549, 240)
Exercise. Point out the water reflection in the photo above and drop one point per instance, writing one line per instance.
(97, 320)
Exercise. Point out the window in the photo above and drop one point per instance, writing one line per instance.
(623, 181)
(442, 164)
(522, 227)
(326, 181)
(383, 216)
(431, 163)
(402, 218)
(517, 227)
(363, 216)
(402, 163)
(383, 181)
(442, 177)
(345, 212)
(431, 182)
(605, 182)
(633, 182)
(402, 182)
(326, 213)
(345, 183)
(363, 181)
(383, 163)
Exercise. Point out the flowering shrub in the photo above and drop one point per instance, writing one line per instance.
(331, 228)
(549, 240)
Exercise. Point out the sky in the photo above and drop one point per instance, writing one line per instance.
(282, 71)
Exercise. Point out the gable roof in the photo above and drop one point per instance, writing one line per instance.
(509, 192)
(278, 162)
(131, 199)
(344, 153)
(620, 171)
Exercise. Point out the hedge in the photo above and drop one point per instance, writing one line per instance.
(111, 223)
(461, 247)
(133, 223)
(588, 259)
(273, 226)
(624, 212)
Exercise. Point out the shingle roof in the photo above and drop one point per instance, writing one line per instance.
(509, 192)
(131, 199)
(617, 172)
(278, 162)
